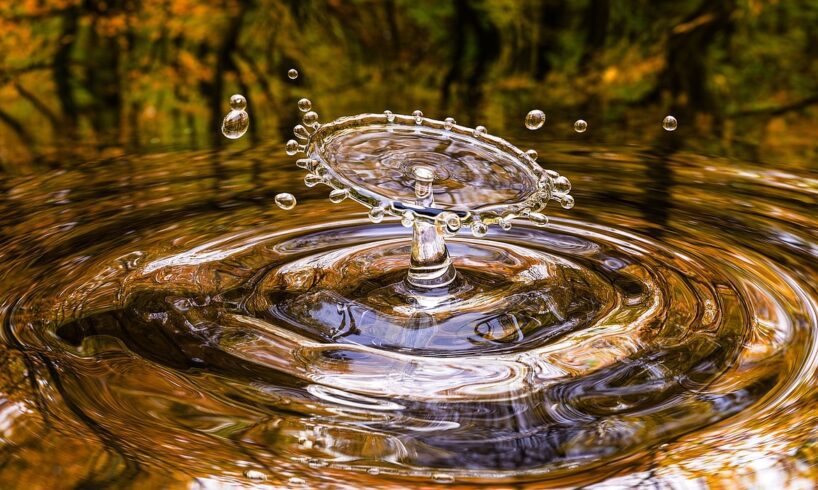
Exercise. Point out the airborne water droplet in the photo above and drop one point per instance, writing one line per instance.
(532, 154)
(235, 124)
(670, 123)
(291, 147)
(535, 119)
(293, 73)
(238, 102)
(285, 200)
(567, 202)
(236, 121)
(580, 126)
(304, 105)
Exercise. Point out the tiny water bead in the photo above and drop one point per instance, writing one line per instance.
(376, 214)
(293, 73)
(562, 185)
(449, 123)
(532, 154)
(285, 200)
(311, 119)
(580, 126)
(238, 102)
(418, 115)
(535, 119)
(338, 195)
(301, 132)
(389, 116)
(567, 202)
(235, 124)
(479, 131)
(669, 123)
(479, 229)
(291, 147)
(538, 219)
(304, 105)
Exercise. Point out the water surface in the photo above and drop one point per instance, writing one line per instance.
(665, 331)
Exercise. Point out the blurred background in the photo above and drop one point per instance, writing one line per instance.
(88, 79)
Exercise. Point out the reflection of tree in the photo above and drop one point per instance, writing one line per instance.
(127, 73)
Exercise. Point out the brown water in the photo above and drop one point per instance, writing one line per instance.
(665, 331)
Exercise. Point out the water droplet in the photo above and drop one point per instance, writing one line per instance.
(479, 229)
(389, 116)
(562, 185)
(442, 478)
(304, 105)
(505, 224)
(418, 117)
(670, 123)
(311, 180)
(304, 163)
(338, 195)
(311, 119)
(291, 147)
(374, 471)
(255, 475)
(301, 132)
(296, 482)
(408, 219)
(449, 123)
(376, 214)
(285, 200)
(293, 73)
(451, 222)
(238, 102)
(567, 202)
(535, 119)
(479, 131)
(538, 219)
(580, 126)
(532, 154)
(235, 124)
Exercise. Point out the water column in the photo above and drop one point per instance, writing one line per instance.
(430, 265)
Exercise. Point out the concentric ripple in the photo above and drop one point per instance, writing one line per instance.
(562, 356)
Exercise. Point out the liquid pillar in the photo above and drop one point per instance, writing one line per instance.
(430, 265)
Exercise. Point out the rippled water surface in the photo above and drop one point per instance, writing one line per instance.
(165, 324)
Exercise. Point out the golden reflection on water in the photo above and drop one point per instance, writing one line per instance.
(113, 403)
